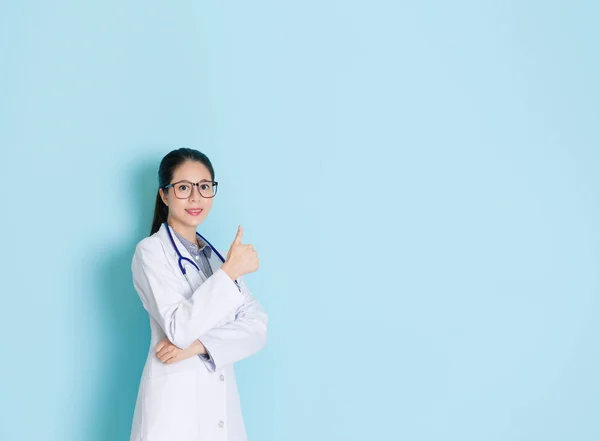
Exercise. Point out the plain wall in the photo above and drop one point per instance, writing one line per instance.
(420, 180)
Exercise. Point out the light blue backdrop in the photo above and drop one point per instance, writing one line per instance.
(420, 180)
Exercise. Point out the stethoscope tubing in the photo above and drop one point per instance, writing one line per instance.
(182, 258)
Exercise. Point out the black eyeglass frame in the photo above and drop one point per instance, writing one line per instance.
(197, 184)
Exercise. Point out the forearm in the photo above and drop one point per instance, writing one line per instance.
(196, 348)
(231, 272)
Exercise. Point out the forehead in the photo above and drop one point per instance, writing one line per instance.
(192, 171)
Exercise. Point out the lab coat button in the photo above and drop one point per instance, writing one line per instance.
(221, 423)
(222, 377)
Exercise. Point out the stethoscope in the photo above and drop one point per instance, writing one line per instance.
(185, 259)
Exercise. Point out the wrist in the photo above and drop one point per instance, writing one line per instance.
(198, 348)
(225, 267)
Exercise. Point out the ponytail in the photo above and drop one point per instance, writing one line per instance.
(161, 211)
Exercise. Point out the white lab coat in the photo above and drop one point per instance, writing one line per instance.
(194, 399)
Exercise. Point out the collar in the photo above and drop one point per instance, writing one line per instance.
(162, 234)
(193, 248)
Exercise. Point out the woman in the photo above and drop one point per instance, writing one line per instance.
(201, 322)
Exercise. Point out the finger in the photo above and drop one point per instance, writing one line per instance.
(238, 236)
(167, 355)
(163, 347)
(164, 350)
(171, 356)
(160, 345)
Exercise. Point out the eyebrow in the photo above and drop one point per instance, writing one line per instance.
(192, 182)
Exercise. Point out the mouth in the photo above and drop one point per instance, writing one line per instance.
(195, 212)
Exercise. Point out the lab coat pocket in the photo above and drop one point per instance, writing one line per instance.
(170, 407)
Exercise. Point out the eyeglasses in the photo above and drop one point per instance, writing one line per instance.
(183, 189)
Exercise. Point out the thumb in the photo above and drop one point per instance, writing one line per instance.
(238, 236)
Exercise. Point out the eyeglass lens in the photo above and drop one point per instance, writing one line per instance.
(184, 189)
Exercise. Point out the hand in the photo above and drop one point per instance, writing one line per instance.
(168, 353)
(241, 258)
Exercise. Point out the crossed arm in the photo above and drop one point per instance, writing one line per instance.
(228, 343)
(168, 353)
(193, 325)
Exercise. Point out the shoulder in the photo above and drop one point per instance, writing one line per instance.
(150, 243)
(149, 247)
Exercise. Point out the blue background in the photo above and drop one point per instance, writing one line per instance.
(420, 180)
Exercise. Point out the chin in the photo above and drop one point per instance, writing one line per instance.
(194, 222)
(189, 221)
(198, 221)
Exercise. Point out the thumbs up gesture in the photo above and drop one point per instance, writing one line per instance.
(241, 258)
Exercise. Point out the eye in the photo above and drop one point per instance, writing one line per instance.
(182, 187)
(205, 186)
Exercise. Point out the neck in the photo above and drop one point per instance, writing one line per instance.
(184, 230)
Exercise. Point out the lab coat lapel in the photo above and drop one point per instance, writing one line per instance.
(192, 272)
(182, 249)
(215, 261)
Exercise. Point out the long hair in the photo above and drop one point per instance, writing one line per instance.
(166, 170)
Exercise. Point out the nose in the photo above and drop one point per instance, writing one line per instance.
(197, 188)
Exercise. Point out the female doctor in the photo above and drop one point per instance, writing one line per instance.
(203, 317)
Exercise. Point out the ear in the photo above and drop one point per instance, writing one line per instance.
(163, 196)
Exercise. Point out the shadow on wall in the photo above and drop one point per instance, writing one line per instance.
(123, 319)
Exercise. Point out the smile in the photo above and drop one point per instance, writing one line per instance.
(195, 212)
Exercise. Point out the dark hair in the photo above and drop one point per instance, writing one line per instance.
(166, 169)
